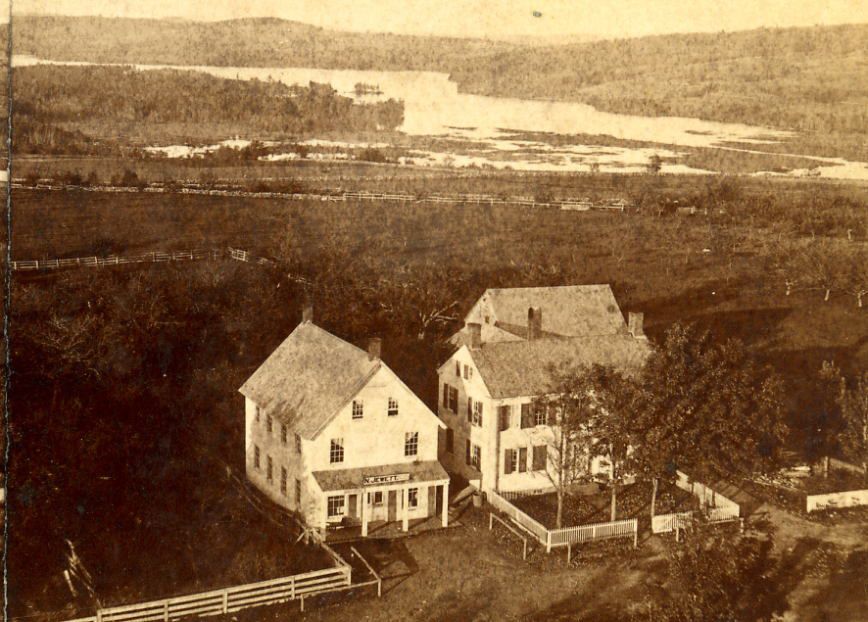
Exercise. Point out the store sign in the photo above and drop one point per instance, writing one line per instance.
(377, 480)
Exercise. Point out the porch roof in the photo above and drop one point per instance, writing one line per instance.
(348, 479)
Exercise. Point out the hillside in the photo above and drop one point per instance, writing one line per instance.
(254, 42)
(810, 80)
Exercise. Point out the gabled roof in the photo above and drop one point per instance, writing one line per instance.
(309, 378)
(522, 368)
(569, 310)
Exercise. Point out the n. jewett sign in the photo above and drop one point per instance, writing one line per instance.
(374, 480)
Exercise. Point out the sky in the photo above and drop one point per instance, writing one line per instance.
(487, 18)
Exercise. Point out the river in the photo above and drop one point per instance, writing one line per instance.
(433, 106)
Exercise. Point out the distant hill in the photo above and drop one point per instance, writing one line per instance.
(812, 80)
(255, 42)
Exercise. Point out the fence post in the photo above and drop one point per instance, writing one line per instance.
(635, 534)
(166, 610)
(225, 601)
(548, 541)
(302, 603)
(490, 521)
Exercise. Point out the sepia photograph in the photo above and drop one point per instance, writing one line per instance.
(434, 310)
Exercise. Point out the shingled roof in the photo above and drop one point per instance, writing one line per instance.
(569, 310)
(309, 378)
(522, 368)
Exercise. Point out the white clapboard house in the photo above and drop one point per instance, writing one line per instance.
(510, 340)
(332, 433)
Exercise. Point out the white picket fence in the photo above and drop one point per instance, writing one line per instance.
(667, 523)
(590, 533)
(228, 600)
(566, 536)
(537, 529)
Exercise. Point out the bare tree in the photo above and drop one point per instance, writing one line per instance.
(569, 409)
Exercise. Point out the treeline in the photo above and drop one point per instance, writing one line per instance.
(806, 79)
(54, 105)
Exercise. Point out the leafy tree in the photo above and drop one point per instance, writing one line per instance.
(825, 415)
(853, 401)
(715, 577)
(655, 164)
(708, 408)
(617, 397)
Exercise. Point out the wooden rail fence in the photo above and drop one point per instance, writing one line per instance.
(228, 600)
(116, 260)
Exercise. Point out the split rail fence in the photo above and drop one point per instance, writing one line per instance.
(115, 260)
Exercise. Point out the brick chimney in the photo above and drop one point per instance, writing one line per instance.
(474, 329)
(534, 323)
(307, 313)
(375, 348)
(636, 324)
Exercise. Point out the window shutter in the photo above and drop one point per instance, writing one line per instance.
(503, 413)
(551, 416)
(445, 395)
(526, 416)
(458, 369)
(469, 409)
(540, 457)
(480, 404)
(522, 460)
(467, 456)
(508, 461)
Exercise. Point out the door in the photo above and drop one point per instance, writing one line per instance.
(393, 505)
(433, 500)
(352, 506)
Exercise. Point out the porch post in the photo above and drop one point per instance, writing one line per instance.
(405, 492)
(364, 502)
(445, 518)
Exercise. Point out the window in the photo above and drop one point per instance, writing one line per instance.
(297, 444)
(256, 456)
(458, 368)
(336, 506)
(468, 372)
(522, 460)
(269, 469)
(297, 492)
(476, 456)
(283, 434)
(376, 497)
(411, 443)
(336, 451)
(477, 414)
(453, 399)
(504, 414)
(283, 481)
(413, 498)
(540, 457)
(540, 416)
(450, 440)
(358, 410)
(392, 409)
(269, 423)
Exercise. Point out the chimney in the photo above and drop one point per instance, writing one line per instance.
(534, 323)
(375, 348)
(475, 331)
(635, 324)
(307, 313)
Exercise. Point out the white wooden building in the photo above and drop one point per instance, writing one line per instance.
(509, 342)
(332, 433)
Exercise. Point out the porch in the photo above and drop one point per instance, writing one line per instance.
(387, 529)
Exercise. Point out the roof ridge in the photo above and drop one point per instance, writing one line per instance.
(333, 336)
(507, 289)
